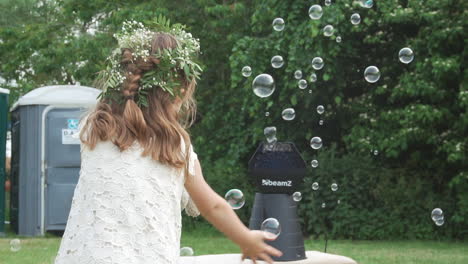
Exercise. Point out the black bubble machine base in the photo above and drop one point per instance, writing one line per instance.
(278, 171)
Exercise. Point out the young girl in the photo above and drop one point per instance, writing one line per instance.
(138, 168)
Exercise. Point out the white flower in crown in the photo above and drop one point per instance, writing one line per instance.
(137, 37)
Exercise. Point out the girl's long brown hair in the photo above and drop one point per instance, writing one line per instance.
(159, 127)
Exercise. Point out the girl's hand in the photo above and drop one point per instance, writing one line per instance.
(255, 248)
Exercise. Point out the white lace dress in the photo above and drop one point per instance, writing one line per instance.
(126, 209)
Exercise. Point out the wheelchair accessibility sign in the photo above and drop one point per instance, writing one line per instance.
(70, 135)
(72, 123)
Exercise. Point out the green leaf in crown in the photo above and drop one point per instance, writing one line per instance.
(137, 37)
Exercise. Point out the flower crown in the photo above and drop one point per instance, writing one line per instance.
(137, 37)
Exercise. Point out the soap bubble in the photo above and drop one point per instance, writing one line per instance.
(372, 74)
(246, 71)
(324, 205)
(355, 19)
(288, 114)
(321, 122)
(298, 74)
(406, 55)
(327, 2)
(277, 62)
(316, 142)
(297, 196)
(376, 152)
(320, 109)
(15, 245)
(315, 12)
(367, 3)
(267, 113)
(328, 30)
(439, 222)
(278, 24)
(437, 214)
(317, 63)
(310, 91)
(314, 163)
(302, 84)
(235, 198)
(272, 227)
(338, 39)
(315, 186)
(338, 202)
(270, 134)
(186, 251)
(313, 77)
(334, 187)
(263, 85)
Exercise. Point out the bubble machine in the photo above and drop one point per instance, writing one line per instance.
(278, 170)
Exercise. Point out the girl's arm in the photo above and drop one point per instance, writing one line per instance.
(220, 214)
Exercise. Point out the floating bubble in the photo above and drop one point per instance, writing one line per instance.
(263, 85)
(316, 142)
(439, 222)
(324, 205)
(376, 152)
(270, 134)
(235, 198)
(406, 55)
(367, 3)
(310, 91)
(302, 84)
(437, 214)
(338, 202)
(267, 113)
(315, 12)
(321, 122)
(186, 251)
(355, 19)
(317, 63)
(277, 62)
(278, 24)
(288, 114)
(320, 109)
(372, 74)
(315, 186)
(272, 227)
(313, 77)
(327, 2)
(298, 74)
(297, 196)
(15, 245)
(328, 30)
(314, 163)
(246, 71)
(338, 39)
(334, 187)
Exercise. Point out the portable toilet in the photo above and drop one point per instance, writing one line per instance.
(3, 132)
(46, 159)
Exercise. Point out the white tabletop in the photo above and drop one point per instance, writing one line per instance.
(313, 257)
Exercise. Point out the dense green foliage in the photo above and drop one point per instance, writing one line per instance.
(415, 115)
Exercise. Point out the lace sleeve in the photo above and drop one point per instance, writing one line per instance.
(187, 202)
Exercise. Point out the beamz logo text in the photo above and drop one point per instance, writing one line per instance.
(268, 182)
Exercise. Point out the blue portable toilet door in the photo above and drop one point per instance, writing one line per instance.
(62, 161)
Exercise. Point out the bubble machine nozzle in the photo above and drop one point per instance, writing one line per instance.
(278, 170)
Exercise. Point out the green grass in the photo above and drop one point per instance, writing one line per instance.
(205, 240)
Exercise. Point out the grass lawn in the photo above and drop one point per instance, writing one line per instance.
(207, 241)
